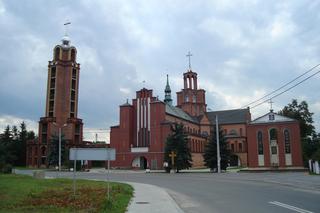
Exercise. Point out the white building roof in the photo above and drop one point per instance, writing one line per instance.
(271, 117)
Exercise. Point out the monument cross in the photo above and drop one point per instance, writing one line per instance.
(172, 155)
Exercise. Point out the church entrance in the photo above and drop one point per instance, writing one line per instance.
(140, 162)
(274, 152)
(234, 160)
(274, 160)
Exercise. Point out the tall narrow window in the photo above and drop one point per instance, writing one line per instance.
(51, 93)
(73, 95)
(74, 73)
(53, 72)
(72, 107)
(273, 134)
(57, 53)
(186, 98)
(194, 99)
(51, 105)
(73, 54)
(260, 143)
(52, 83)
(287, 145)
(73, 84)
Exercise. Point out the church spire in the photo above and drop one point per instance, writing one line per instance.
(167, 91)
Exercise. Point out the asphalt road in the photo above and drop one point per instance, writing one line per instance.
(227, 192)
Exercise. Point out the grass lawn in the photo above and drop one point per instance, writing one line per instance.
(20, 193)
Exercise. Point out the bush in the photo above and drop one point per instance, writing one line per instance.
(7, 169)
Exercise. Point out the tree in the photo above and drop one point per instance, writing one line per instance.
(300, 112)
(53, 157)
(21, 145)
(210, 152)
(7, 156)
(13, 144)
(178, 143)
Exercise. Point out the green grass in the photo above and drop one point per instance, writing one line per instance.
(20, 193)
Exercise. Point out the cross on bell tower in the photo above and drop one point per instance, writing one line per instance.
(189, 56)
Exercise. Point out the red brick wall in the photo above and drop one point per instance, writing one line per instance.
(296, 152)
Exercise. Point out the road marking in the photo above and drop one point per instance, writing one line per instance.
(289, 207)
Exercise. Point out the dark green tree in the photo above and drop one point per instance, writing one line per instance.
(210, 152)
(31, 135)
(300, 111)
(178, 142)
(21, 145)
(15, 133)
(7, 155)
(53, 157)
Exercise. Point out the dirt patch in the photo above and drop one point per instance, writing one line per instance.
(87, 198)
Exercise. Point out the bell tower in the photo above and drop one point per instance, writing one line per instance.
(191, 99)
(61, 112)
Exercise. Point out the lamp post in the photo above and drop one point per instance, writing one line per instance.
(60, 135)
(218, 146)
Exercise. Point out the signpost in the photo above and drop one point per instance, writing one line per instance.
(99, 154)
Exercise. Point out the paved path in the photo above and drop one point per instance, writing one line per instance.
(148, 198)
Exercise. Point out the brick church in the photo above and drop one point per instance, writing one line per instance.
(145, 124)
(271, 141)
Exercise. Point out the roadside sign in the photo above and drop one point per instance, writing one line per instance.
(100, 154)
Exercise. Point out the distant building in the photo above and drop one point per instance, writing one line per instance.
(274, 141)
(145, 124)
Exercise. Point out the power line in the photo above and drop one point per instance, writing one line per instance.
(288, 88)
(229, 115)
(274, 91)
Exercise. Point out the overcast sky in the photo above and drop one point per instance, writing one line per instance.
(241, 51)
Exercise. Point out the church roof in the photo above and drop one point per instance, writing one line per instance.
(275, 119)
(233, 116)
(177, 112)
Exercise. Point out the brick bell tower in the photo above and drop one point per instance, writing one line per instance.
(191, 99)
(61, 113)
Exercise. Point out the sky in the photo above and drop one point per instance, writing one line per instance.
(242, 50)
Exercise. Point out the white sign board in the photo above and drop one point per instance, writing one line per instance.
(102, 154)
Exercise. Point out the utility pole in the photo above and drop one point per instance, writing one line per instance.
(59, 149)
(218, 145)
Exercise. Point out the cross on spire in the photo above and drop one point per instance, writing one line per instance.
(270, 102)
(189, 56)
(66, 27)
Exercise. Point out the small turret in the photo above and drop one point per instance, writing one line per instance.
(167, 91)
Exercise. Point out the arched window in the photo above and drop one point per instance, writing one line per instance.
(260, 143)
(287, 145)
(43, 151)
(233, 132)
(186, 98)
(194, 98)
(73, 54)
(273, 134)
(57, 53)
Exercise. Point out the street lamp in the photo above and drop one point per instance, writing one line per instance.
(60, 135)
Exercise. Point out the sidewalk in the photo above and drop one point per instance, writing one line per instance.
(148, 198)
